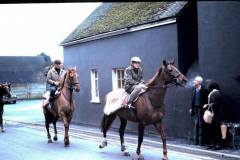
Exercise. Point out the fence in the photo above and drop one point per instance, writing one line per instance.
(28, 90)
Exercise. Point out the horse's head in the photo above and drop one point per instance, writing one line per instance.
(73, 79)
(5, 89)
(172, 75)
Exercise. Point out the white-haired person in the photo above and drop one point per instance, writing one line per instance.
(199, 98)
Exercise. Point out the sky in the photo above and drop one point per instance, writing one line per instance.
(29, 29)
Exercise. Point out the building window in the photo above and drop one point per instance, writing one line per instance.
(118, 78)
(94, 86)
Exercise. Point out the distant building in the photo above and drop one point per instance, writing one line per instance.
(25, 73)
(191, 32)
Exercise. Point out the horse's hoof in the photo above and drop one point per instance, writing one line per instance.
(3, 130)
(103, 144)
(126, 153)
(140, 157)
(123, 148)
(49, 141)
(55, 138)
(165, 158)
(66, 145)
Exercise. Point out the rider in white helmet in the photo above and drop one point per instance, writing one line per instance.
(133, 80)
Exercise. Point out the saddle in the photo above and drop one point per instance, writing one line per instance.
(46, 97)
(118, 99)
(126, 98)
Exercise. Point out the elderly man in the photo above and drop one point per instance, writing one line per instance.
(53, 79)
(133, 80)
(199, 98)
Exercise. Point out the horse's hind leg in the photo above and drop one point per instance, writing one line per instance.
(48, 133)
(105, 125)
(160, 130)
(140, 140)
(121, 133)
(55, 138)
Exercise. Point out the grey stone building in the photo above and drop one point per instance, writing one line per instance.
(103, 44)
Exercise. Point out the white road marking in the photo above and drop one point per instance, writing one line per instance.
(116, 143)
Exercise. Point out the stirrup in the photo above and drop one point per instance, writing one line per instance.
(130, 106)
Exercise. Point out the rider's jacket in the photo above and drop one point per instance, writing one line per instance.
(132, 76)
(53, 76)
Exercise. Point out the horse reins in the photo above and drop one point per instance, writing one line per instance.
(163, 86)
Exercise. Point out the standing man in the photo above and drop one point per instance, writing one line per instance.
(199, 98)
(53, 79)
(133, 80)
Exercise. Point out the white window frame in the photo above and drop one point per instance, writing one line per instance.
(95, 86)
(115, 78)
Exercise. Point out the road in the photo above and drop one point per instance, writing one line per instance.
(24, 111)
(25, 140)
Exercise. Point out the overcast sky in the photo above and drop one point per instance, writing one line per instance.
(29, 29)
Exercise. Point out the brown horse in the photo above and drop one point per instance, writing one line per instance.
(4, 91)
(149, 107)
(63, 105)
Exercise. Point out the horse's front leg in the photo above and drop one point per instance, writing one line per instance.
(1, 118)
(121, 133)
(66, 126)
(160, 130)
(140, 140)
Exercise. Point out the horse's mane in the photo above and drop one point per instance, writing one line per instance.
(62, 79)
(152, 80)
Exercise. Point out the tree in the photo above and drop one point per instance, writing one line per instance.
(46, 57)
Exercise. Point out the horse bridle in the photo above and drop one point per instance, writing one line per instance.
(71, 88)
(173, 83)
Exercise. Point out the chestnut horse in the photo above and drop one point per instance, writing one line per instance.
(4, 91)
(63, 105)
(149, 107)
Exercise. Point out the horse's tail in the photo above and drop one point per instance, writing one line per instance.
(107, 121)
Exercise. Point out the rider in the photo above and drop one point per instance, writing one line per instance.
(53, 77)
(133, 80)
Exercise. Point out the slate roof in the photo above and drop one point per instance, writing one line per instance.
(114, 16)
(22, 69)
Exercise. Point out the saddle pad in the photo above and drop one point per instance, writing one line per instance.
(115, 100)
(46, 97)
(118, 99)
